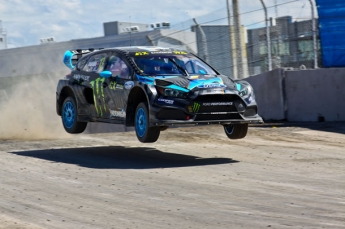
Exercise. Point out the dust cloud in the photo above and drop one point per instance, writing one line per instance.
(29, 111)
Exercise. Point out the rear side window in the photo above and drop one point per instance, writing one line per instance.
(96, 63)
(81, 63)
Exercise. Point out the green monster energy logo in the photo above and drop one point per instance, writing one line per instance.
(112, 85)
(196, 107)
(98, 95)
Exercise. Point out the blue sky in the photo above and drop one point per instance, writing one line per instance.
(26, 21)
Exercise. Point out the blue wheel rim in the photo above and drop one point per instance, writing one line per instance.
(140, 126)
(229, 129)
(68, 114)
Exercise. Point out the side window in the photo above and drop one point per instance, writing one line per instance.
(118, 67)
(190, 67)
(96, 63)
(81, 63)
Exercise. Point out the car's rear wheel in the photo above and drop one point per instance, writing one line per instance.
(236, 131)
(144, 132)
(69, 117)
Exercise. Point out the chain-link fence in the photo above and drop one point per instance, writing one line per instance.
(284, 27)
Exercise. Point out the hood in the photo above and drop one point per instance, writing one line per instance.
(196, 82)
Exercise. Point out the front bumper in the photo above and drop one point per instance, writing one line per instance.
(214, 109)
(256, 120)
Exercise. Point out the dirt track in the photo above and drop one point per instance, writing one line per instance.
(277, 177)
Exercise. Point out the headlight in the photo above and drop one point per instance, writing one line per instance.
(174, 93)
(171, 92)
(245, 90)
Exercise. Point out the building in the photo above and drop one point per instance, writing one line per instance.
(291, 45)
(118, 27)
(216, 49)
(3, 38)
(220, 49)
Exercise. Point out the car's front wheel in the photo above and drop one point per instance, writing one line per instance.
(144, 132)
(69, 117)
(236, 131)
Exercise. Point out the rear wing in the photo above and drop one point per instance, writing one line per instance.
(71, 57)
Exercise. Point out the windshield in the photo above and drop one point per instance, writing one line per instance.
(172, 65)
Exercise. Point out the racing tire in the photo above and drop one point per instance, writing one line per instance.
(236, 131)
(144, 132)
(162, 128)
(69, 114)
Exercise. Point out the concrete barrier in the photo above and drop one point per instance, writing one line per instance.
(315, 95)
(300, 96)
(268, 89)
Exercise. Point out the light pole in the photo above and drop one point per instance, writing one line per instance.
(268, 37)
(232, 43)
(314, 34)
(203, 41)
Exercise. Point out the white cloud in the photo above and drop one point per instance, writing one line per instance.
(28, 20)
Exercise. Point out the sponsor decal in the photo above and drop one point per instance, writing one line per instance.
(194, 77)
(167, 101)
(212, 91)
(117, 114)
(161, 52)
(101, 64)
(129, 85)
(146, 79)
(211, 85)
(92, 64)
(98, 95)
(196, 107)
(119, 86)
(180, 52)
(218, 104)
(81, 77)
(141, 53)
(215, 113)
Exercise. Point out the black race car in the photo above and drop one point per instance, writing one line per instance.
(151, 88)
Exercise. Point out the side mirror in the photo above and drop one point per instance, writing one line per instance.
(106, 74)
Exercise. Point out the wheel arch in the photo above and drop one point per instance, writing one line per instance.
(136, 96)
(65, 92)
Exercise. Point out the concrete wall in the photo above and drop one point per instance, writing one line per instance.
(268, 89)
(299, 96)
(315, 95)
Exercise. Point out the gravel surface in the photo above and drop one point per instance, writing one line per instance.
(280, 176)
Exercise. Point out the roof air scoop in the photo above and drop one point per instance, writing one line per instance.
(68, 59)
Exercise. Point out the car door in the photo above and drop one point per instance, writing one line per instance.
(91, 70)
(118, 86)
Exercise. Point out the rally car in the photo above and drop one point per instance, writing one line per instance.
(151, 88)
